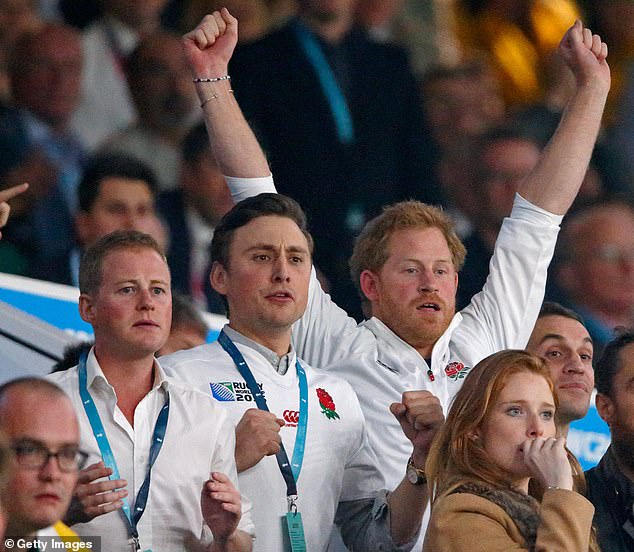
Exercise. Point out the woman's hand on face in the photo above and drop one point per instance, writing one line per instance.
(547, 460)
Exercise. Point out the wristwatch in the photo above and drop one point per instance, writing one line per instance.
(415, 475)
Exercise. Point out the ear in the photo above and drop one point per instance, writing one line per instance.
(218, 278)
(456, 282)
(605, 407)
(87, 308)
(82, 227)
(369, 283)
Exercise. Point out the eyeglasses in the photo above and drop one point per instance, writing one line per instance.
(34, 455)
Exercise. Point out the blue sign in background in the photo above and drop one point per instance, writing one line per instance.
(61, 313)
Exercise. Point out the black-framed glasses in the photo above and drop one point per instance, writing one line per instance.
(35, 455)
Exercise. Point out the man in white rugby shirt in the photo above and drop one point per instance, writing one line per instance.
(168, 448)
(407, 260)
(302, 453)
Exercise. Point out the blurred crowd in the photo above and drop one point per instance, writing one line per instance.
(449, 102)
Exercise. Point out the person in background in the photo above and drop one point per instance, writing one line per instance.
(561, 339)
(611, 482)
(594, 267)
(188, 327)
(499, 435)
(116, 192)
(163, 117)
(106, 105)
(191, 212)
(38, 144)
(339, 148)
(40, 424)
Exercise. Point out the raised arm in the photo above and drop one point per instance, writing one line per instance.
(554, 183)
(208, 49)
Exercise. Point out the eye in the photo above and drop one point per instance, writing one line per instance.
(127, 290)
(441, 271)
(554, 354)
(548, 414)
(297, 260)
(411, 270)
(262, 257)
(158, 291)
(27, 449)
(586, 356)
(514, 411)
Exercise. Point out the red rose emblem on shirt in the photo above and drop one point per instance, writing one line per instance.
(456, 370)
(327, 404)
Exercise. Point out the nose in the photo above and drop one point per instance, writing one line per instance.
(535, 427)
(427, 281)
(50, 471)
(574, 365)
(146, 299)
(280, 270)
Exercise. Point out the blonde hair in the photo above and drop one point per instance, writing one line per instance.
(371, 248)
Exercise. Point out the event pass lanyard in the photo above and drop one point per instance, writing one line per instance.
(290, 471)
(131, 519)
(329, 85)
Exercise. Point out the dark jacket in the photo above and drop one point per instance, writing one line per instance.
(613, 497)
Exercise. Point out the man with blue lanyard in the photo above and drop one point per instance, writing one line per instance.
(302, 448)
(407, 266)
(168, 449)
(323, 468)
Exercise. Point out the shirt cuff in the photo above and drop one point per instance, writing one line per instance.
(242, 188)
(525, 210)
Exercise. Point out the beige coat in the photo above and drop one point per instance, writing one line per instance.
(463, 522)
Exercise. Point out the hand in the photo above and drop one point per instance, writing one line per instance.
(5, 196)
(92, 499)
(585, 54)
(420, 415)
(221, 506)
(257, 436)
(209, 46)
(547, 460)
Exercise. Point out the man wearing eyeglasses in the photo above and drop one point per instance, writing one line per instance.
(594, 267)
(40, 424)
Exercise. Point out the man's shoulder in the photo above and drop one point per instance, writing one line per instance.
(197, 358)
(65, 379)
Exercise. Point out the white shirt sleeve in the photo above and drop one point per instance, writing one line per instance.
(503, 314)
(242, 188)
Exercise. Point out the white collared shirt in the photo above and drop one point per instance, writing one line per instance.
(199, 439)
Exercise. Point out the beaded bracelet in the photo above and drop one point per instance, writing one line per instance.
(212, 79)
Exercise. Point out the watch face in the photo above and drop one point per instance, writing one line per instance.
(412, 475)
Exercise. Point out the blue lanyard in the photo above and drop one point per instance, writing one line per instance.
(334, 95)
(290, 472)
(99, 432)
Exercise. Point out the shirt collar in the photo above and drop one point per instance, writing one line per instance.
(379, 329)
(95, 376)
(280, 363)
